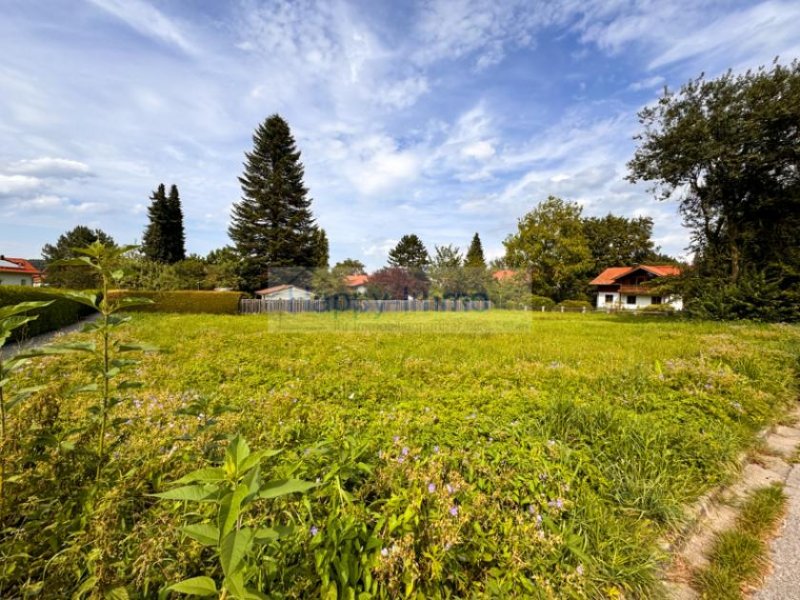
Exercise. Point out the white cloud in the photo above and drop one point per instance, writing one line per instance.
(148, 21)
(18, 185)
(51, 168)
(647, 83)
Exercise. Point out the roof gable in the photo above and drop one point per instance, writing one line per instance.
(612, 274)
(17, 265)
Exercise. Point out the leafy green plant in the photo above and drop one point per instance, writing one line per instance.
(11, 318)
(232, 488)
(106, 262)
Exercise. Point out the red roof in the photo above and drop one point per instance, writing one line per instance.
(356, 280)
(611, 274)
(503, 274)
(17, 265)
(276, 288)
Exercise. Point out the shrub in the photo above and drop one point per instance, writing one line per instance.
(666, 309)
(185, 301)
(539, 301)
(576, 304)
(59, 314)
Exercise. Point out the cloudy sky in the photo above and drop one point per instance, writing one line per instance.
(439, 117)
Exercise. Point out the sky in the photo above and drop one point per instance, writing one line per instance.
(440, 117)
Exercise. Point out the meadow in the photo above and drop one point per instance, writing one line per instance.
(500, 454)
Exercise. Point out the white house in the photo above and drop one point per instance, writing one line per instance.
(284, 292)
(357, 284)
(18, 271)
(625, 287)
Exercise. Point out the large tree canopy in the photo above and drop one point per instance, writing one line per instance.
(729, 150)
(272, 226)
(617, 241)
(67, 276)
(551, 247)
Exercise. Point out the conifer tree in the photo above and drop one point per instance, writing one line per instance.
(176, 237)
(272, 226)
(410, 253)
(154, 240)
(475, 258)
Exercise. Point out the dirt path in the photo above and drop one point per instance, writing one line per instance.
(39, 340)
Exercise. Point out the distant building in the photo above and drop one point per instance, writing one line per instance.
(284, 292)
(624, 287)
(357, 284)
(18, 271)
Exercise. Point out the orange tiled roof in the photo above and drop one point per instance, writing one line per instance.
(20, 265)
(503, 274)
(611, 274)
(356, 280)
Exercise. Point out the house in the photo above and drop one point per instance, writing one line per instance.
(625, 287)
(18, 271)
(284, 292)
(357, 284)
(504, 275)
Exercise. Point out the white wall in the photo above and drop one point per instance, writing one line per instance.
(292, 293)
(15, 279)
(641, 301)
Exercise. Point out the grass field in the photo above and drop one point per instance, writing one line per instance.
(500, 454)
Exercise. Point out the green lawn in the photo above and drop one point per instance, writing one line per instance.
(499, 454)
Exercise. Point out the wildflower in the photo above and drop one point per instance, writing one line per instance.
(531, 509)
(447, 546)
(404, 451)
(319, 479)
(551, 443)
(449, 488)
(400, 459)
(559, 503)
(436, 449)
(453, 510)
(538, 520)
(579, 570)
(431, 488)
(314, 530)
(384, 552)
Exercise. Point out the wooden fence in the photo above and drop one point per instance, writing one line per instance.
(250, 307)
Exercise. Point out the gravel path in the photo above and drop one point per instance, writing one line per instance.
(39, 340)
(783, 583)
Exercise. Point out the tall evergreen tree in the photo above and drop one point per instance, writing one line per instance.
(175, 235)
(475, 258)
(410, 253)
(154, 241)
(321, 249)
(272, 226)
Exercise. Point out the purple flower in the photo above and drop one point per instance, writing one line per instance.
(531, 509)
(431, 488)
(314, 530)
(538, 520)
(400, 459)
(436, 449)
(560, 503)
(454, 511)
(396, 438)
(404, 451)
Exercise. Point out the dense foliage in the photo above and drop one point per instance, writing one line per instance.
(164, 240)
(185, 301)
(731, 148)
(59, 313)
(65, 275)
(272, 226)
(409, 253)
(497, 454)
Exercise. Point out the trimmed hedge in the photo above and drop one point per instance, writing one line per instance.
(540, 301)
(184, 301)
(576, 304)
(61, 313)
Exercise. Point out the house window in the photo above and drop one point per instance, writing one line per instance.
(23, 282)
(630, 300)
(609, 298)
(656, 299)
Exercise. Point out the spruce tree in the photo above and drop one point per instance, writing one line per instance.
(175, 235)
(154, 240)
(272, 226)
(410, 253)
(475, 258)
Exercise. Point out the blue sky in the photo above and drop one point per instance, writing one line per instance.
(442, 117)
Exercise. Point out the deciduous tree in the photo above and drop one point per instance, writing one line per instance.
(69, 276)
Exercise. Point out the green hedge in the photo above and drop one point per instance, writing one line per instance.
(575, 304)
(185, 301)
(61, 313)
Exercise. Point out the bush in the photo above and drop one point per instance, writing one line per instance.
(221, 303)
(576, 304)
(61, 313)
(539, 301)
(666, 309)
